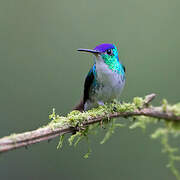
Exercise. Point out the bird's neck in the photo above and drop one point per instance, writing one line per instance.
(115, 66)
(112, 64)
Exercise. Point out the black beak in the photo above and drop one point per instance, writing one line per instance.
(89, 50)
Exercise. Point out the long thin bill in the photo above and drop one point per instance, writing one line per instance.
(88, 50)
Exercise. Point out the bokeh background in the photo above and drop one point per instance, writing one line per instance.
(40, 69)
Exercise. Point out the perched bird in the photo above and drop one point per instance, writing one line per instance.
(105, 79)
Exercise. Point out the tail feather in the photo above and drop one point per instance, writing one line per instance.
(80, 106)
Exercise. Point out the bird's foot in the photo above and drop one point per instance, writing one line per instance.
(100, 103)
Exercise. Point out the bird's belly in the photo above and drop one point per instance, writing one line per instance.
(109, 89)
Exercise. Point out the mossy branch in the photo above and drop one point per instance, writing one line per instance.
(80, 125)
(76, 121)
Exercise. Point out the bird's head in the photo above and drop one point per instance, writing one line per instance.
(106, 53)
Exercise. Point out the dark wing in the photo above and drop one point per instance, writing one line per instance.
(124, 68)
(87, 85)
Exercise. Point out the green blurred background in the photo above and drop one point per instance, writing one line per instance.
(40, 69)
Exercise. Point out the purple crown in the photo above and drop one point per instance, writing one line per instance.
(104, 47)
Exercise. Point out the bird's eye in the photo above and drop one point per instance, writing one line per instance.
(109, 52)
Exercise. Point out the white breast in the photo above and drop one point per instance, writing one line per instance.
(112, 83)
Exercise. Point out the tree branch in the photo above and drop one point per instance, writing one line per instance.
(55, 129)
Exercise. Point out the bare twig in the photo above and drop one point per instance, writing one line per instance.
(46, 133)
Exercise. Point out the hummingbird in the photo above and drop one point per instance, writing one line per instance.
(106, 78)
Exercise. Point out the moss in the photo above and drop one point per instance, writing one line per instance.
(173, 126)
(164, 105)
(79, 136)
(111, 130)
(163, 135)
(142, 122)
(72, 138)
(89, 149)
(60, 142)
(138, 101)
(76, 119)
(175, 109)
